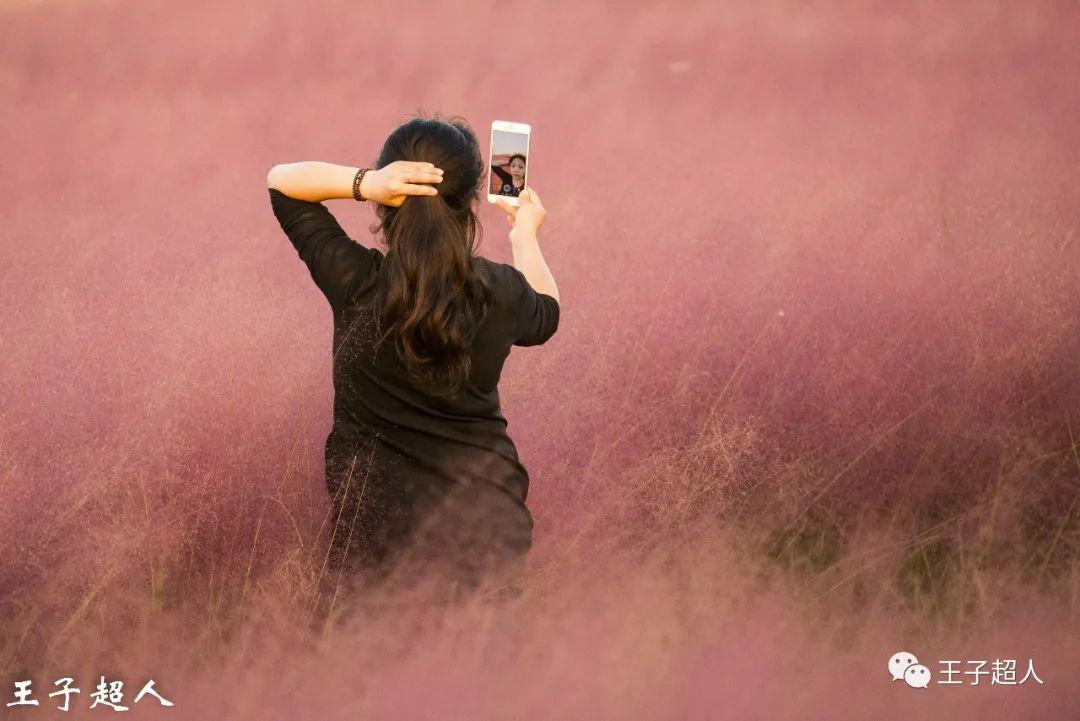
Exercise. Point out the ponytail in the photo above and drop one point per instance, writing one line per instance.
(434, 293)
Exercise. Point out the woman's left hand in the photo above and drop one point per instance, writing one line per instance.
(393, 183)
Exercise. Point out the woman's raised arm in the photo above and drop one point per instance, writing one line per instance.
(316, 181)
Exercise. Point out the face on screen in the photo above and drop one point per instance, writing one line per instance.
(509, 162)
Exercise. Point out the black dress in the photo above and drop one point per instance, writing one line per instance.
(414, 476)
(506, 183)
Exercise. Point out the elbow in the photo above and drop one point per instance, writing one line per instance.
(273, 177)
(279, 175)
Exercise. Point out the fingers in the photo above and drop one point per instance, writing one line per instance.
(505, 206)
(407, 178)
(416, 173)
(424, 173)
(533, 197)
(511, 211)
(410, 189)
(406, 171)
(423, 176)
(426, 167)
(410, 165)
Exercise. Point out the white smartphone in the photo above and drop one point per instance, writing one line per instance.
(508, 160)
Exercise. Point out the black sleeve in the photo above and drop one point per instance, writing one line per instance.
(537, 313)
(503, 175)
(339, 265)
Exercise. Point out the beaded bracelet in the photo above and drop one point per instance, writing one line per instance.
(356, 184)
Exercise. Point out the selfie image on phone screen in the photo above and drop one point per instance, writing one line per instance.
(509, 158)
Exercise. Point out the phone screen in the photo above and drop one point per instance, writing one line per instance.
(509, 162)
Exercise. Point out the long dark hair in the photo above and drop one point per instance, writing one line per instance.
(434, 293)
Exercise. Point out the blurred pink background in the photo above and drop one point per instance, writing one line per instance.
(814, 397)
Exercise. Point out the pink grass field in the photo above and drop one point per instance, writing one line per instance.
(814, 399)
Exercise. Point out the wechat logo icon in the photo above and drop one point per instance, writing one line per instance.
(903, 666)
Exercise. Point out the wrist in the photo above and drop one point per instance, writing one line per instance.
(522, 235)
(366, 186)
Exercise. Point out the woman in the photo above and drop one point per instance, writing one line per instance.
(422, 473)
(509, 180)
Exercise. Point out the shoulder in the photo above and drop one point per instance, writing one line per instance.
(507, 279)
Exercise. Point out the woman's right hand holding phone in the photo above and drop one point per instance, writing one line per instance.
(526, 220)
(528, 216)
